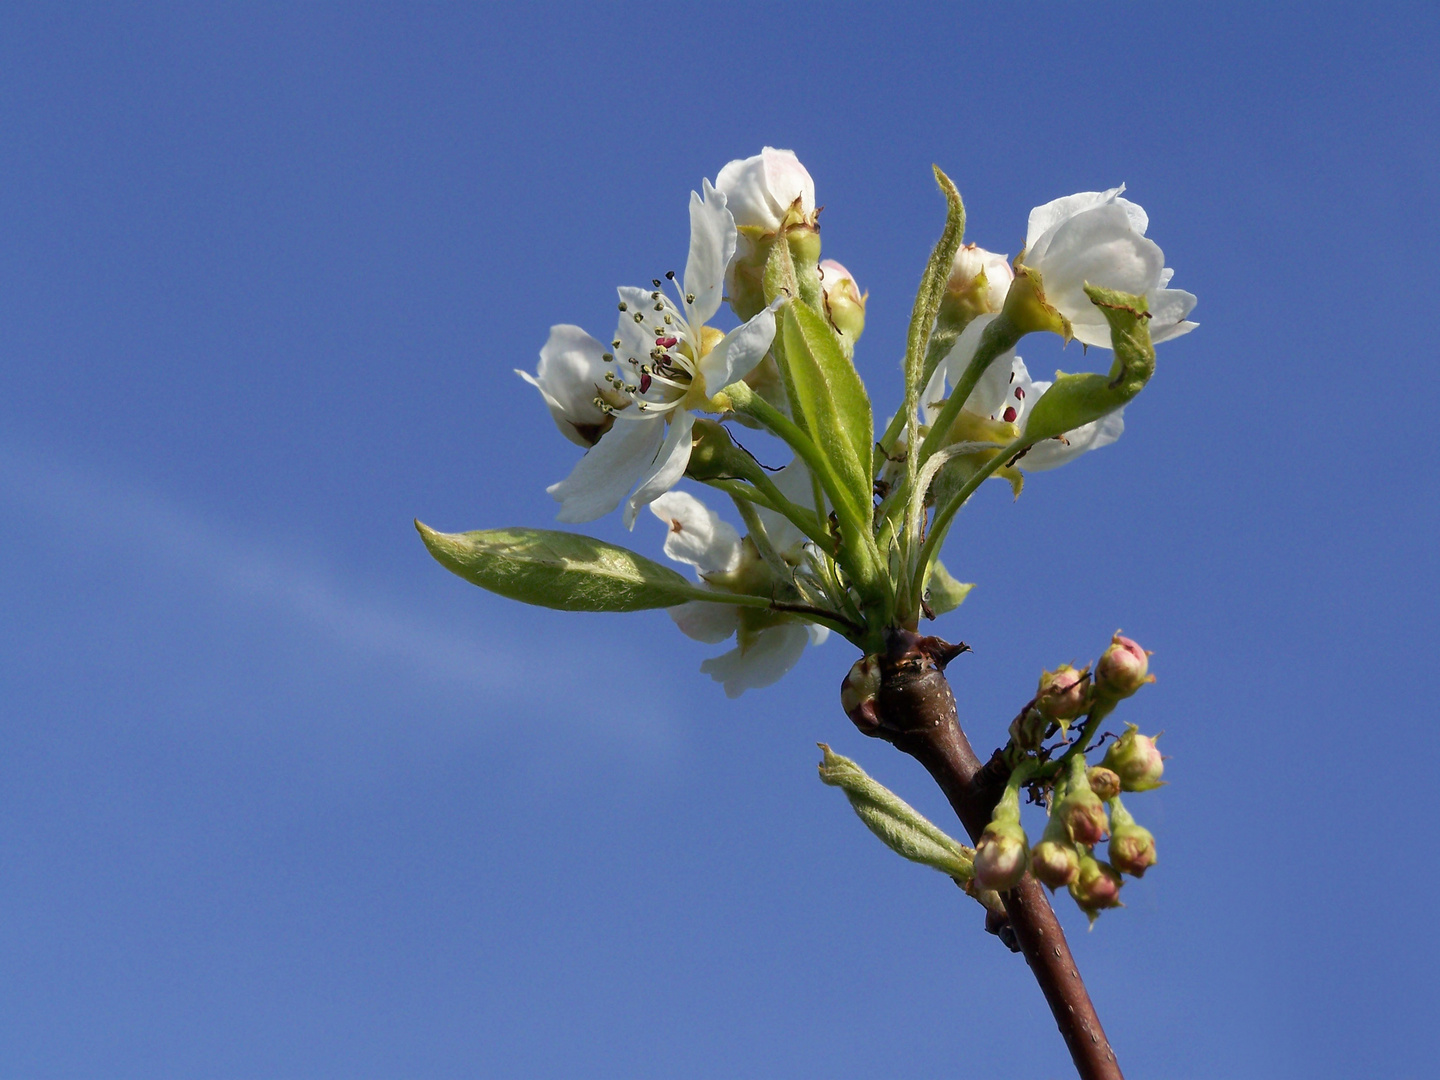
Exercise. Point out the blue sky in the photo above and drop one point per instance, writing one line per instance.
(279, 796)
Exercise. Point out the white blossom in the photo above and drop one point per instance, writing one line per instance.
(768, 644)
(668, 364)
(1098, 238)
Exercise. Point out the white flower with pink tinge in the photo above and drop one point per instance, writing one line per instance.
(668, 364)
(768, 643)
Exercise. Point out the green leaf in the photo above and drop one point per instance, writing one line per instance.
(829, 393)
(1074, 400)
(902, 828)
(945, 593)
(558, 569)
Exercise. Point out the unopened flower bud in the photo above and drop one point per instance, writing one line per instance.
(1132, 847)
(1054, 861)
(978, 282)
(1136, 760)
(844, 302)
(769, 195)
(1123, 669)
(1002, 852)
(1028, 730)
(858, 693)
(1096, 886)
(1001, 856)
(1104, 782)
(1079, 809)
(1064, 693)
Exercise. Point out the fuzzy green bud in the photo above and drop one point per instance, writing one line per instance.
(1136, 760)
(1028, 730)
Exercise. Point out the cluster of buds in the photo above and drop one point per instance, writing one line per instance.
(1084, 800)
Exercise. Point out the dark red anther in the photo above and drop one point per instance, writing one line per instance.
(644, 382)
(667, 342)
(1010, 414)
(1020, 392)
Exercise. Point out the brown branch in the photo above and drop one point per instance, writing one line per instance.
(915, 710)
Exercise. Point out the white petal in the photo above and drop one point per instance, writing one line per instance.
(961, 353)
(712, 244)
(1052, 453)
(1097, 247)
(570, 375)
(601, 478)
(696, 534)
(736, 355)
(1168, 308)
(1044, 218)
(710, 623)
(992, 392)
(636, 338)
(773, 652)
(818, 634)
(667, 468)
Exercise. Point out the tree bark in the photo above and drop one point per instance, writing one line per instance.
(915, 710)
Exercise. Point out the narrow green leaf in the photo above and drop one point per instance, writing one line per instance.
(558, 569)
(902, 828)
(945, 593)
(832, 397)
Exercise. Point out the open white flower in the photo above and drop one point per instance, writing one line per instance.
(1098, 238)
(574, 372)
(768, 643)
(668, 364)
(996, 409)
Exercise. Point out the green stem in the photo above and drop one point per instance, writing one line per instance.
(999, 337)
(943, 515)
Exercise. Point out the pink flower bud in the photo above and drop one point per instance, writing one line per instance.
(1104, 782)
(1055, 862)
(1064, 693)
(858, 693)
(1123, 669)
(1132, 848)
(844, 302)
(1096, 886)
(1136, 760)
(1001, 856)
(1083, 815)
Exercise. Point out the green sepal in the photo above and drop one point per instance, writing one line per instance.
(945, 594)
(902, 828)
(558, 569)
(829, 393)
(1075, 400)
